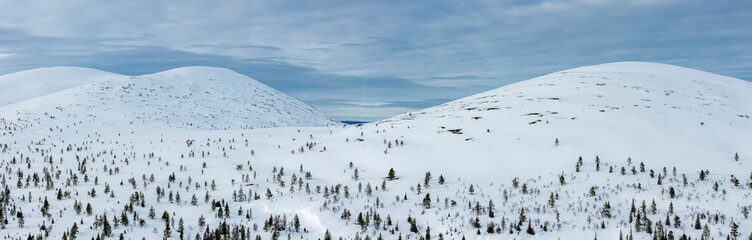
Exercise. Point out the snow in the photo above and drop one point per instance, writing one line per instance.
(29, 84)
(647, 111)
(660, 115)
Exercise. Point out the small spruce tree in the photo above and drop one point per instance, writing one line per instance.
(530, 228)
(390, 175)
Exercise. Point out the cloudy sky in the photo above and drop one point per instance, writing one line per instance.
(367, 60)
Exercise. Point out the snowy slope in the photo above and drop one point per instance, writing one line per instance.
(182, 131)
(190, 97)
(24, 85)
(651, 112)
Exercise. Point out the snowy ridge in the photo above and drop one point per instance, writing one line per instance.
(190, 97)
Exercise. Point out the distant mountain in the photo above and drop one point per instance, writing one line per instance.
(353, 122)
(190, 97)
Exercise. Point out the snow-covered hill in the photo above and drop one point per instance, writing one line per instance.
(25, 85)
(650, 112)
(190, 97)
(665, 152)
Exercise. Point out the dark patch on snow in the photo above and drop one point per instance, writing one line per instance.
(455, 131)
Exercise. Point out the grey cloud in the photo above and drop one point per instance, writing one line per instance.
(459, 77)
(234, 46)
